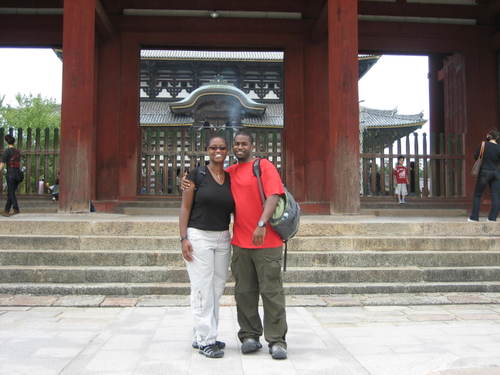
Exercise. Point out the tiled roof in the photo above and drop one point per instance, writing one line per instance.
(377, 118)
(155, 113)
(212, 55)
(158, 113)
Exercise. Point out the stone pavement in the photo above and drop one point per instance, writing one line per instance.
(431, 334)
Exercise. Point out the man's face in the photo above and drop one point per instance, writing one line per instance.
(242, 148)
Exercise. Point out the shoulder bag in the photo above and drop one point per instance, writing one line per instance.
(476, 167)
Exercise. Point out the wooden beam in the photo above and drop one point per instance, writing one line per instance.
(103, 23)
(78, 107)
(418, 10)
(343, 150)
(416, 38)
(320, 27)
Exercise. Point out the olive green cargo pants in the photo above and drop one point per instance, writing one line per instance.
(259, 271)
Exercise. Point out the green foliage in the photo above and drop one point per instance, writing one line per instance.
(30, 112)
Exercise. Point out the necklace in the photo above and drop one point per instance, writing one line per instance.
(218, 177)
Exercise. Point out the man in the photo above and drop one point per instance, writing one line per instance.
(257, 252)
(12, 159)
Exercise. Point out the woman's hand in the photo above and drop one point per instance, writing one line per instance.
(187, 250)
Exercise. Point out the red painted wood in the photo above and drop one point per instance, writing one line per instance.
(294, 140)
(30, 31)
(316, 133)
(78, 107)
(418, 38)
(343, 104)
(108, 123)
(129, 132)
(419, 10)
(435, 94)
(482, 105)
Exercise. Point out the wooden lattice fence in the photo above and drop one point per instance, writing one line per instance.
(166, 152)
(40, 156)
(434, 172)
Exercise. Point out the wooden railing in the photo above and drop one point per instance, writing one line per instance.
(39, 156)
(166, 152)
(435, 166)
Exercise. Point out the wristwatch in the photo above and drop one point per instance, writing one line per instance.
(261, 224)
(184, 238)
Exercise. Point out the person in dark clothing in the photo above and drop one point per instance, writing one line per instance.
(489, 175)
(11, 158)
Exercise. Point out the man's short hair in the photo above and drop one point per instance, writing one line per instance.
(10, 139)
(245, 133)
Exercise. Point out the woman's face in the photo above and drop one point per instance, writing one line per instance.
(217, 150)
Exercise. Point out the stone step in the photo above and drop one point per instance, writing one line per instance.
(84, 274)
(121, 225)
(120, 289)
(173, 258)
(409, 210)
(316, 243)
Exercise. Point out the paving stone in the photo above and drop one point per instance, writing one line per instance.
(157, 340)
(340, 300)
(430, 317)
(24, 300)
(163, 301)
(469, 299)
(119, 301)
(468, 371)
(85, 301)
(305, 301)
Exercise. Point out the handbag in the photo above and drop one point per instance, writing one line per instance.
(476, 167)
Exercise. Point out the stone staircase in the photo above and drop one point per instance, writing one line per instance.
(134, 255)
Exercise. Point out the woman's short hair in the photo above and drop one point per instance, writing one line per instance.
(10, 139)
(493, 135)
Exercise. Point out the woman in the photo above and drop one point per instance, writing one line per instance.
(205, 240)
(11, 158)
(489, 175)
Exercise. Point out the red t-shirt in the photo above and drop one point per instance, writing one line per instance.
(401, 174)
(248, 203)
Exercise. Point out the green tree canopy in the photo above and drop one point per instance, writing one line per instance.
(30, 112)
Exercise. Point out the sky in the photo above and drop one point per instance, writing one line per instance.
(36, 71)
(393, 82)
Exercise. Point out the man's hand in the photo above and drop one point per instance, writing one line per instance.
(186, 184)
(187, 250)
(258, 236)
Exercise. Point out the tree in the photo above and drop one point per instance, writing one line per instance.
(30, 112)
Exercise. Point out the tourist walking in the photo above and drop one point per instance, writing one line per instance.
(205, 240)
(489, 175)
(11, 158)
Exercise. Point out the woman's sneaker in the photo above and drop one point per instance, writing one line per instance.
(220, 344)
(211, 351)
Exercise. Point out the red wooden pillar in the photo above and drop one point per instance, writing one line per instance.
(343, 105)
(78, 107)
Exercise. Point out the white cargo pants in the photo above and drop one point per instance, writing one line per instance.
(208, 273)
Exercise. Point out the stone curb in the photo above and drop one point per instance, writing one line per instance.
(339, 300)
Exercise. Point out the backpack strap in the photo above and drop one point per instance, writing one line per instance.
(257, 173)
(201, 172)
